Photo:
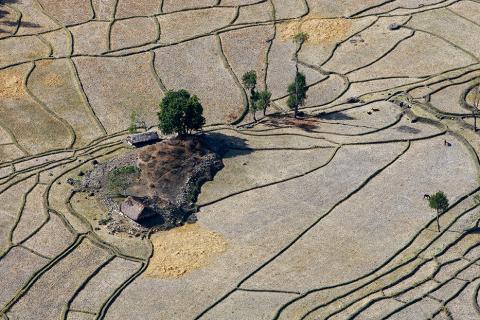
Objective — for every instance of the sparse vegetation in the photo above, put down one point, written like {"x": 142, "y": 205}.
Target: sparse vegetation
{"x": 180, "y": 113}
{"x": 300, "y": 37}
{"x": 297, "y": 93}
{"x": 439, "y": 202}
{"x": 119, "y": 179}
{"x": 133, "y": 122}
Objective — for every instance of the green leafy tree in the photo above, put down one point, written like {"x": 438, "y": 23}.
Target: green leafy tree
{"x": 439, "y": 202}
{"x": 263, "y": 100}
{"x": 254, "y": 106}
{"x": 249, "y": 80}
{"x": 297, "y": 92}
{"x": 180, "y": 113}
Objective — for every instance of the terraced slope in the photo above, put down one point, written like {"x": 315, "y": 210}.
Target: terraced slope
{"x": 320, "y": 218}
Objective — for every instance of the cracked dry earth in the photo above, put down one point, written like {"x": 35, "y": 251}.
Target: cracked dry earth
{"x": 322, "y": 218}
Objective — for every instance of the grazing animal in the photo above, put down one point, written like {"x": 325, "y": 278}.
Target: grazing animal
{"x": 426, "y": 196}
{"x": 446, "y": 143}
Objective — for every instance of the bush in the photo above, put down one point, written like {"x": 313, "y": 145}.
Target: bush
{"x": 180, "y": 113}
{"x": 300, "y": 37}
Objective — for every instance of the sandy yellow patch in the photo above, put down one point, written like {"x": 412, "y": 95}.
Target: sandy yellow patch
{"x": 12, "y": 85}
{"x": 319, "y": 30}
{"x": 53, "y": 80}
{"x": 183, "y": 249}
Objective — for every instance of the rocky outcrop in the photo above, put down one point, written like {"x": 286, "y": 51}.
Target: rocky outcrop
{"x": 164, "y": 178}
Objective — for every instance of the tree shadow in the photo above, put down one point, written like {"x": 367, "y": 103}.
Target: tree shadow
{"x": 339, "y": 115}
{"x": 5, "y": 19}
{"x": 226, "y": 146}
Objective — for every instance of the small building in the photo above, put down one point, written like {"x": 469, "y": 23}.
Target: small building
{"x": 135, "y": 209}
{"x": 143, "y": 139}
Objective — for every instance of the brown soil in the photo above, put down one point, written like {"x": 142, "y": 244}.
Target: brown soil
{"x": 167, "y": 183}
{"x": 181, "y": 250}
{"x": 306, "y": 124}
{"x": 166, "y": 166}
{"x": 12, "y": 85}
{"x": 319, "y": 30}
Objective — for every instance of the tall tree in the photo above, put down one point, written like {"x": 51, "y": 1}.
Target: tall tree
{"x": 263, "y": 100}
{"x": 180, "y": 113}
{"x": 439, "y": 202}
{"x": 249, "y": 80}
{"x": 297, "y": 92}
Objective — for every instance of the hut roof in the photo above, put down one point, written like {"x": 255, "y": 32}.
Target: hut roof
{"x": 134, "y": 209}
{"x": 144, "y": 137}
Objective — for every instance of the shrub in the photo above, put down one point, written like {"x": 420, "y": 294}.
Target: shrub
{"x": 119, "y": 179}
{"x": 300, "y": 37}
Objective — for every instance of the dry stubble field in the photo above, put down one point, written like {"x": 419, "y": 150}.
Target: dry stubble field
{"x": 322, "y": 218}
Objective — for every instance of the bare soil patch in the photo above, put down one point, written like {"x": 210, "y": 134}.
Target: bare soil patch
{"x": 319, "y": 30}
{"x": 182, "y": 250}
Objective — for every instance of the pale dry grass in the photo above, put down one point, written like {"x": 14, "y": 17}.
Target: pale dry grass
{"x": 53, "y": 80}
{"x": 11, "y": 85}
{"x": 319, "y": 30}
{"x": 181, "y": 250}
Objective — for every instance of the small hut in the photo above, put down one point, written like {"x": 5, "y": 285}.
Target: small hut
{"x": 143, "y": 139}
{"x": 135, "y": 209}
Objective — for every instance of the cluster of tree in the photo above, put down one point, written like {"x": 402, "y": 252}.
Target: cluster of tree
{"x": 258, "y": 100}
{"x": 182, "y": 113}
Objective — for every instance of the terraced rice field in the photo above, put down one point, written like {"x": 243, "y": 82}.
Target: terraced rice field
{"x": 320, "y": 218}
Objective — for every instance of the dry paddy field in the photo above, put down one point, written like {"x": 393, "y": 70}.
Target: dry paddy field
{"x": 318, "y": 218}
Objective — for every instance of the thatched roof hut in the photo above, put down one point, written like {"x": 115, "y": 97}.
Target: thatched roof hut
{"x": 142, "y": 139}
{"x": 135, "y": 209}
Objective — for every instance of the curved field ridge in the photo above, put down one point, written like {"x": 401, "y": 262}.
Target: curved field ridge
{"x": 322, "y": 217}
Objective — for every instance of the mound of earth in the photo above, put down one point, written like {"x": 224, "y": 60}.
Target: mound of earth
{"x": 160, "y": 181}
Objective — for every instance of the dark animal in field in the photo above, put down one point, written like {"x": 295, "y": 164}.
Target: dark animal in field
{"x": 426, "y": 196}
